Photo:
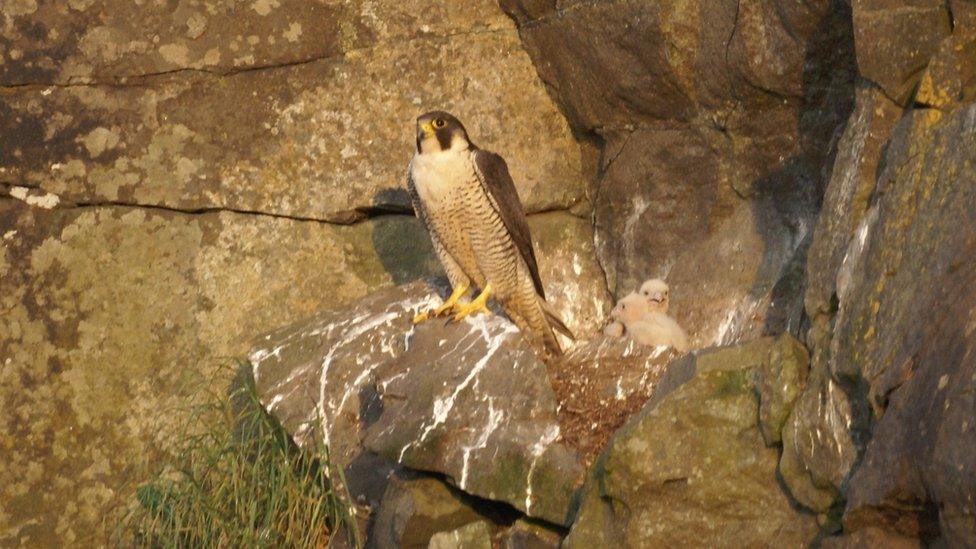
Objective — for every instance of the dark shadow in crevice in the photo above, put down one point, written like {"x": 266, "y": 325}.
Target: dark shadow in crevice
{"x": 787, "y": 201}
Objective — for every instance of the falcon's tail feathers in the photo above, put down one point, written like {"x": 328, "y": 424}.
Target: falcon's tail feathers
{"x": 554, "y": 320}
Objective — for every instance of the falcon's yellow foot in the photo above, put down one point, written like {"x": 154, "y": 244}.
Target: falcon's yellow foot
{"x": 480, "y": 304}
{"x": 446, "y": 307}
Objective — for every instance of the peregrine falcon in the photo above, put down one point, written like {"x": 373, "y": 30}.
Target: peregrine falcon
{"x": 468, "y": 202}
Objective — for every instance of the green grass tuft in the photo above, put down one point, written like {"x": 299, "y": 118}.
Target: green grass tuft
{"x": 234, "y": 478}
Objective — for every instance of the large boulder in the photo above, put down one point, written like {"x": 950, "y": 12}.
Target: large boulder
{"x": 698, "y": 465}
{"x": 468, "y": 400}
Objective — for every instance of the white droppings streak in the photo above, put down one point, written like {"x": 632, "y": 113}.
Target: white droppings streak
{"x": 539, "y": 448}
{"x": 353, "y": 333}
{"x": 577, "y": 265}
{"x": 725, "y": 327}
{"x": 845, "y": 274}
{"x": 385, "y": 383}
{"x": 494, "y": 420}
{"x": 727, "y": 330}
{"x": 275, "y": 401}
{"x": 443, "y": 406}
{"x": 407, "y": 336}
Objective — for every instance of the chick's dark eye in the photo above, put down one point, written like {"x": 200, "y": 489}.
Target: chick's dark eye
{"x": 439, "y": 123}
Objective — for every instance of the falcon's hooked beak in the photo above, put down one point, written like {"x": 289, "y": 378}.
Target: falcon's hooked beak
{"x": 425, "y": 129}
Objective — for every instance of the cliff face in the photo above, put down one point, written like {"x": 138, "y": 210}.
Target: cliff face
{"x": 749, "y": 99}
{"x": 174, "y": 181}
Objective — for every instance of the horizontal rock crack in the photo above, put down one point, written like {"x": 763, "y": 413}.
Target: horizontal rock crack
{"x": 123, "y": 81}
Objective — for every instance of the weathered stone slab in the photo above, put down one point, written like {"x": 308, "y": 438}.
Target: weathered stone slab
{"x": 325, "y": 138}
{"x": 469, "y": 400}
{"x": 895, "y": 39}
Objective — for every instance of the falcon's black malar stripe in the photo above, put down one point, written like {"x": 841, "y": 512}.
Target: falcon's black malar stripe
{"x": 494, "y": 177}
{"x": 444, "y": 137}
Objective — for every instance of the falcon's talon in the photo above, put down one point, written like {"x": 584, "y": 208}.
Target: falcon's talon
{"x": 446, "y": 308}
{"x": 479, "y": 305}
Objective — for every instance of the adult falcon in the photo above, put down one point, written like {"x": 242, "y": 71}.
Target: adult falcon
{"x": 467, "y": 199}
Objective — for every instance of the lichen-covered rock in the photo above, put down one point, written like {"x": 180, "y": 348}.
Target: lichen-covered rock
{"x": 692, "y": 467}
{"x": 906, "y": 331}
{"x": 414, "y": 509}
{"x": 949, "y": 81}
{"x": 469, "y": 400}
{"x": 895, "y": 39}
{"x": 83, "y": 41}
{"x": 328, "y": 139}
{"x": 819, "y": 443}
{"x": 108, "y": 315}
{"x": 476, "y": 535}
{"x": 188, "y": 152}
{"x": 848, "y": 194}
{"x": 881, "y": 423}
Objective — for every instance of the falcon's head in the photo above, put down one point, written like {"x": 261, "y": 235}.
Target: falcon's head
{"x": 655, "y": 291}
{"x": 439, "y": 131}
{"x": 629, "y": 309}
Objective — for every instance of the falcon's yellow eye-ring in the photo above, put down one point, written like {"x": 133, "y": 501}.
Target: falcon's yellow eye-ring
{"x": 439, "y": 123}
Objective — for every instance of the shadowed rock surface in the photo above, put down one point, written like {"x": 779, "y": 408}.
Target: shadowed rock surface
{"x": 907, "y": 334}
{"x": 712, "y": 123}
{"x": 884, "y": 427}
{"x": 414, "y": 509}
